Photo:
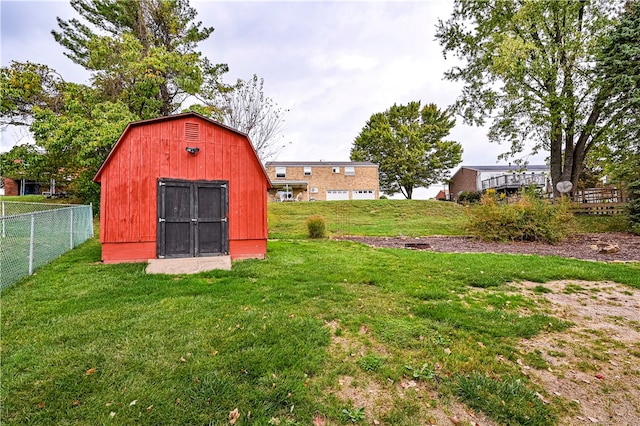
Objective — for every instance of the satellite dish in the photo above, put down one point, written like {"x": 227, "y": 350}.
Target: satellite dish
{"x": 564, "y": 186}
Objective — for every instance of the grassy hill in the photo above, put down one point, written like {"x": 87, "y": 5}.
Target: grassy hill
{"x": 391, "y": 218}
{"x": 369, "y": 217}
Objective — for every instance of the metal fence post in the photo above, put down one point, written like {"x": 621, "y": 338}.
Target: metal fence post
{"x": 71, "y": 228}
{"x": 32, "y": 238}
{"x": 3, "y": 215}
{"x": 91, "y": 218}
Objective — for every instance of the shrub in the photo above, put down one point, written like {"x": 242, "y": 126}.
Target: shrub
{"x": 469, "y": 197}
{"x": 317, "y": 227}
{"x": 528, "y": 219}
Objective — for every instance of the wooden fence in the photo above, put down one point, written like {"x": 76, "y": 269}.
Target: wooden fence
{"x": 600, "y": 201}
{"x": 599, "y": 208}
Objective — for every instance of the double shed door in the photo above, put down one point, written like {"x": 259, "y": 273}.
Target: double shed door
{"x": 192, "y": 218}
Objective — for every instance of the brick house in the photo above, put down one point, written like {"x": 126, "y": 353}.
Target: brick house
{"x": 323, "y": 180}
{"x": 14, "y": 187}
{"x": 505, "y": 178}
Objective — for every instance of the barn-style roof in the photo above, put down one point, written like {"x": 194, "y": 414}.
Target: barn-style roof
{"x": 169, "y": 118}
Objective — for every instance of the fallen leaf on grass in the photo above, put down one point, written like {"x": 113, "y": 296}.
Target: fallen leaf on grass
{"x": 133, "y": 402}
{"x": 112, "y": 414}
{"x": 455, "y": 420}
{"x": 234, "y": 416}
{"x": 409, "y": 384}
{"x": 318, "y": 421}
{"x": 76, "y": 403}
{"x": 90, "y": 371}
{"x": 41, "y": 405}
{"x": 599, "y": 376}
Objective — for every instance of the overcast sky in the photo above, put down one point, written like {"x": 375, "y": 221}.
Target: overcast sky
{"x": 331, "y": 64}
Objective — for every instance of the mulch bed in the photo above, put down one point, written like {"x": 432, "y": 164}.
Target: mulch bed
{"x": 577, "y": 246}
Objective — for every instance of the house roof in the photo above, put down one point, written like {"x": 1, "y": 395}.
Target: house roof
{"x": 176, "y": 117}
{"x": 508, "y": 167}
{"x": 320, "y": 163}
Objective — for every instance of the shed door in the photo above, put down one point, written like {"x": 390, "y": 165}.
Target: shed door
{"x": 192, "y": 218}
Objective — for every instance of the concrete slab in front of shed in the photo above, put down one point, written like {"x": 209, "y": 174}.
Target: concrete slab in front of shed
{"x": 188, "y": 265}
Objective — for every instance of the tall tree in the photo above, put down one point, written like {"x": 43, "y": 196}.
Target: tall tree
{"x": 618, "y": 67}
{"x": 23, "y": 161}
{"x": 530, "y": 69}
{"x": 25, "y": 86}
{"x": 77, "y": 141}
{"x": 138, "y": 48}
{"x": 406, "y": 141}
{"x": 245, "y": 107}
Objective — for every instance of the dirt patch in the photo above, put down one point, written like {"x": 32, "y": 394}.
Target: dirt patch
{"x": 579, "y": 246}
{"x": 594, "y": 366}
{"x": 379, "y": 398}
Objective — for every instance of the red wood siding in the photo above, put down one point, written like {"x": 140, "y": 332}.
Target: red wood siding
{"x": 153, "y": 150}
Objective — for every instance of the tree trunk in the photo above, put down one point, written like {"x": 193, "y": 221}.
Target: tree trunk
{"x": 556, "y": 156}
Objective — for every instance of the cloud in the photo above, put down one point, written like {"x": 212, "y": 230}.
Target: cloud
{"x": 331, "y": 64}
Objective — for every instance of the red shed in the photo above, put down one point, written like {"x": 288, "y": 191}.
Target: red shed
{"x": 182, "y": 186}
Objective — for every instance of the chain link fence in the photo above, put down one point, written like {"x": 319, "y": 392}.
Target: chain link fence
{"x": 33, "y": 234}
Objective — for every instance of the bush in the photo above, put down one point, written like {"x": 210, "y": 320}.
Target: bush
{"x": 317, "y": 227}
{"x": 529, "y": 219}
{"x": 634, "y": 206}
{"x": 469, "y": 197}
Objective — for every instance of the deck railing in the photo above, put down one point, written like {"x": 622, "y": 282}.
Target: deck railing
{"x": 514, "y": 181}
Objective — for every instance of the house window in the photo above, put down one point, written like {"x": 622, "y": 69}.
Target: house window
{"x": 281, "y": 172}
{"x": 336, "y": 170}
{"x": 349, "y": 171}
{"x": 314, "y": 190}
{"x": 307, "y": 171}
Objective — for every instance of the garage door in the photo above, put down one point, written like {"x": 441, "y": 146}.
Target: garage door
{"x": 363, "y": 194}
{"x": 334, "y": 195}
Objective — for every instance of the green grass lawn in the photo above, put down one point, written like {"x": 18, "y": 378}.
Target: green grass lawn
{"x": 376, "y": 218}
{"x": 86, "y": 343}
